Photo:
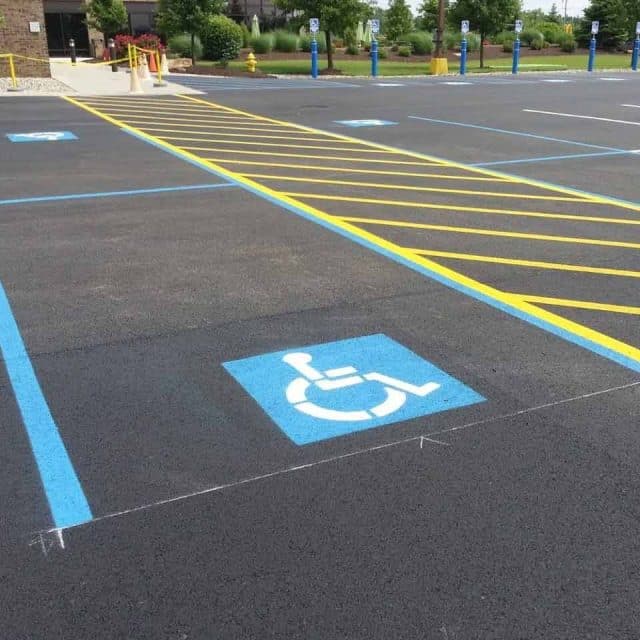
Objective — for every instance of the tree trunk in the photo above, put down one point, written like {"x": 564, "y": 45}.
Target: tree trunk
{"x": 193, "y": 49}
{"x": 329, "y": 51}
{"x": 482, "y": 36}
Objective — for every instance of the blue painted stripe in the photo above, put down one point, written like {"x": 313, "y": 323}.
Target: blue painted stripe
{"x": 64, "y": 493}
{"x": 113, "y": 194}
{"x": 546, "y": 158}
{"x": 618, "y": 358}
{"x": 515, "y": 133}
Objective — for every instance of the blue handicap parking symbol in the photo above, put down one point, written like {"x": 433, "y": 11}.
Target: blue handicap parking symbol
{"x": 42, "y": 136}
{"x": 328, "y": 390}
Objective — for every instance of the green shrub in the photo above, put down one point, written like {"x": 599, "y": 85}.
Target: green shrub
{"x": 567, "y": 43}
{"x": 181, "y": 46}
{"x": 528, "y": 35}
{"x": 507, "y": 46}
{"x": 537, "y": 43}
{"x": 383, "y": 54}
{"x": 285, "y": 41}
{"x": 352, "y": 50}
{"x": 262, "y": 44}
{"x": 451, "y": 40}
{"x": 551, "y": 31}
{"x": 246, "y": 35}
{"x": 504, "y": 36}
{"x": 473, "y": 42}
{"x": 350, "y": 37}
{"x": 305, "y": 43}
{"x": 405, "y": 52}
{"x": 420, "y": 42}
{"x": 221, "y": 38}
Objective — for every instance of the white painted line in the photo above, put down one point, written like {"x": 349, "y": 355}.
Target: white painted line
{"x": 455, "y": 84}
{"x": 631, "y": 106}
{"x": 575, "y": 115}
{"x": 557, "y": 80}
{"x": 613, "y": 79}
{"x": 388, "y": 84}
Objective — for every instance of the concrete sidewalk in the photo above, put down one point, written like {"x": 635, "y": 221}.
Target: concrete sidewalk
{"x": 88, "y": 79}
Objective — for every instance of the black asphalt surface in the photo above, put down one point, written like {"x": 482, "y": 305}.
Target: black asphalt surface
{"x": 519, "y": 519}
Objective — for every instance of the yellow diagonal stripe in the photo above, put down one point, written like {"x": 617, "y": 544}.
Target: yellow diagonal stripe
{"x": 299, "y": 155}
{"x": 556, "y": 266}
{"x": 455, "y": 207}
{"x": 578, "y": 304}
{"x": 492, "y": 232}
{"x": 401, "y": 187}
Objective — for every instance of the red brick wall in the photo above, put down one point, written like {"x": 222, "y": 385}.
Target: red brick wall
{"x": 16, "y": 38}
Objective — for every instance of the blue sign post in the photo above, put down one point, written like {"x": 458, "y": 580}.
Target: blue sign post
{"x": 516, "y": 47}
{"x": 375, "y": 29}
{"x": 595, "y": 26}
{"x": 636, "y": 48}
{"x": 314, "y": 27}
{"x": 464, "y": 28}
{"x": 334, "y": 389}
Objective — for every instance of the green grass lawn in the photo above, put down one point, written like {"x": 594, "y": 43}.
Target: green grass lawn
{"x": 388, "y": 68}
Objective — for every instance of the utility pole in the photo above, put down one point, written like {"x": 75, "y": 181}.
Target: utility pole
{"x": 440, "y": 29}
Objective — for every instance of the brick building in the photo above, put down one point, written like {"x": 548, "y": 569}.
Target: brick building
{"x": 23, "y": 32}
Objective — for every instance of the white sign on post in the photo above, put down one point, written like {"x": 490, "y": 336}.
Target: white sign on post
{"x": 464, "y": 26}
{"x": 314, "y": 25}
{"x": 638, "y": 28}
{"x": 595, "y": 27}
{"x": 375, "y": 27}
{"x": 519, "y": 26}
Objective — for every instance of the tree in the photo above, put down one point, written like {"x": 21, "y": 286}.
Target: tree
{"x": 398, "y": 19}
{"x": 428, "y": 15}
{"x": 488, "y": 17}
{"x": 554, "y": 14}
{"x": 186, "y": 16}
{"x": 335, "y": 16}
{"x": 614, "y": 23}
{"x": 107, "y": 16}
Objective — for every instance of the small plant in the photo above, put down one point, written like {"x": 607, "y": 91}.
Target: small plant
{"x": 149, "y": 41}
{"x": 122, "y": 44}
{"x": 567, "y": 43}
{"x": 420, "y": 42}
{"x": 221, "y": 38}
{"x": 246, "y": 35}
{"x": 473, "y": 42}
{"x": 350, "y": 37}
{"x": 180, "y": 45}
{"x": 352, "y": 50}
{"x": 537, "y": 44}
{"x": 305, "y": 43}
{"x": 382, "y": 53}
{"x": 507, "y": 46}
{"x": 285, "y": 41}
{"x": 262, "y": 44}
{"x": 404, "y": 51}
{"x": 528, "y": 35}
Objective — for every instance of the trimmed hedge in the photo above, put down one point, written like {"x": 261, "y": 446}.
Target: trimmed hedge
{"x": 181, "y": 46}
{"x": 528, "y": 35}
{"x": 567, "y": 43}
{"x": 285, "y": 41}
{"x": 421, "y": 42}
{"x": 262, "y": 44}
{"x": 221, "y": 38}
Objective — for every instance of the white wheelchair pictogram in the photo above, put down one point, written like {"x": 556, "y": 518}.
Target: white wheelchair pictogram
{"x": 340, "y": 378}
{"x": 43, "y": 135}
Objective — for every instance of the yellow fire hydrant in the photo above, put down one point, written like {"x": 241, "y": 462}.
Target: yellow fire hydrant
{"x": 251, "y": 63}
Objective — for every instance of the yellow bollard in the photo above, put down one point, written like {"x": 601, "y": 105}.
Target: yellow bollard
{"x": 251, "y": 63}
{"x": 159, "y": 82}
{"x": 12, "y": 73}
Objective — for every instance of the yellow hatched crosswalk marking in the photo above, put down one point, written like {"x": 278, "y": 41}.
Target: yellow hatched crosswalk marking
{"x": 579, "y": 304}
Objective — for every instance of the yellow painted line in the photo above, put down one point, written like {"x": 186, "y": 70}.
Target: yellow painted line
{"x": 351, "y": 170}
{"x": 449, "y": 207}
{"x": 448, "y": 163}
{"x": 556, "y": 266}
{"x": 245, "y": 135}
{"x": 300, "y": 155}
{"x": 176, "y": 117}
{"x": 300, "y": 146}
{"x": 204, "y": 133}
{"x": 402, "y": 187}
{"x": 232, "y": 124}
{"x": 542, "y": 315}
{"x": 492, "y": 232}
{"x": 578, "y": 304}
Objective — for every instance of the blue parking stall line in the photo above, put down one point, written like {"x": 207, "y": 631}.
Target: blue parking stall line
{"x": 516, "y": 133}
{"x": 115, "y": 194}
{"x": 551, "y": 158}
{"x": 63, "y": 490}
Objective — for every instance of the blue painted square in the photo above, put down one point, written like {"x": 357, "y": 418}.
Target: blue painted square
{"x": 42, "y": 136}
{"x": 328, "y": 390}
{"x": 365, "y": 123}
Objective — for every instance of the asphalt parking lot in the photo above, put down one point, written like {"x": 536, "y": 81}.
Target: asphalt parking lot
{"x": 352, "y": 363}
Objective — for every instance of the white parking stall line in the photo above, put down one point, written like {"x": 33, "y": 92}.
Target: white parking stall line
{"x": 581, "y": 117}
